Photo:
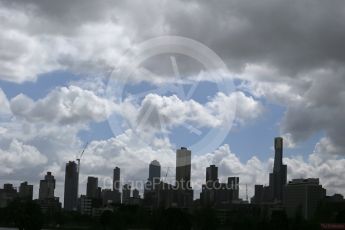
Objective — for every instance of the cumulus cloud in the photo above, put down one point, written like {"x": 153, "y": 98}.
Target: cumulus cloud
{"x": 66, "y": 105}
{"x": 164, "y": 112}
{"x": 19, "y": 156}
{"x": 4, "y": 104}
{"x": 320, "y": 109}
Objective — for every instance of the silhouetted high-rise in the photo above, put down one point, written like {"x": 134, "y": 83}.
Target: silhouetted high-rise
{"x": 71, "y": 186}
{"x": 25, "y": 191}
{"x": 303, "y": 196}
{"x": 183, "y": 167}
{"x": 154, "y": 172}
{"x": 116, "y": 179}
{"x": 47, "y": 187}
{"x": 233, "y": 184}
{"x": 126, "y": 193}
{"x": 211, "y": 174}
{"x": 279, "y": 175}
{"x": 92, "y": 187}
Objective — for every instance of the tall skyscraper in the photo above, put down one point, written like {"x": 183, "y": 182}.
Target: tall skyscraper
{"x": 211, "y": 174}
{"x": 279, "y": 175}
{"x": 116, "y": 179}
{"x": 92, "y": 187}
{"x": 71, "y": 186}
{"x": 26, "y": 191}
{"x": 47, "y": 187}
{"x": 183, "y": 167}
{"x": 154, "y": 172}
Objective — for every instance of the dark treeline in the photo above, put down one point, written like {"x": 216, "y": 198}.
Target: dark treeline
{"x": 27, "y": 215}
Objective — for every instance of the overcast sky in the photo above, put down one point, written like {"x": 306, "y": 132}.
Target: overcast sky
{"x": 60, "y": 87}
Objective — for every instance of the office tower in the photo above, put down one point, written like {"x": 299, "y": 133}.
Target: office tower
{"x": 26, "y": 191}
{"x": 7, "y": 195}
{"x": 211, "y": 174}
{"x": 71, "y": 186}
{"x": 183, "y": 168}
{"x": 154, "y": 172}
{"x": 85, "y": 205}
{"x": 302, "y": 196}
{"x": 136, "y": 194}
{"x": 279, "y": 175}
{"x": 233, "y": 184}
{"x": 258, "y": 194}
{"x": 47, "y": 187}
{"x": 116, "y": 179}
{"x": 92, "y": 187}
{"x": 126, "y": 193}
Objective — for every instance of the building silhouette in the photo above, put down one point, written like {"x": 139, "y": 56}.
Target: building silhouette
{"x": 116, "y": 179}
{"x": 277, "y": 179}
{"x": 26, "y": 191}
{"x": 154, "y": 172}
{"x": 71, "y": 186}
{"x": 126, "y": 193}
{"x": 85, "y": 205}
{"x": 92, "y": 188}
{"x": 47, "y": 187}
{"x": 48, "y": 202}
{"x": 183, "y": 195}
{"x": 216, "y": 194}
{"x": 233, "y": 184}
{"x": 7, "y": 194}
{"x": 183, "y": 167}
{"x": 211, "y": 174}
{"x": 302, "y": 197}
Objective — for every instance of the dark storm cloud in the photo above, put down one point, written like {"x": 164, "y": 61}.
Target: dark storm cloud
{"x": 293, "y": 35}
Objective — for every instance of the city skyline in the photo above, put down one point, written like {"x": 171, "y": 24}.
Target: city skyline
{"x": 183, "y": 165}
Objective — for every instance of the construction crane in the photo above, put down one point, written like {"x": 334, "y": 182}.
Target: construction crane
{"x": 81, "y": 155}
{"x": 78, "y": 165}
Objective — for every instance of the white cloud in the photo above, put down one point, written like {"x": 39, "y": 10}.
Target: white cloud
{"x": 66, "y": 105}
{"x": 163, "y": 112}
{"x": 19, "y": 156}
{"x": 4, "y": 105}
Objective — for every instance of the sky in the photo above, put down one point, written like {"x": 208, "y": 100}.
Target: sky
{"x": 139, "y": 79}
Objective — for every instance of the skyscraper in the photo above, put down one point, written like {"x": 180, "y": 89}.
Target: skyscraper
{"x": 26, "y": 191}
{"x": 303, "y": 195}
{"x": 211, "y": 174}
{"x": 183, "y": 167}
{"x": 92, "y": 187}
{"x": 126, "y": 193}
{"x": 116, "y": 179}
{"x": 154, "y": 172}
{"x": 279, "y": 175}
{"x": 71, "y": 186}
{"x": 233, "y": 184}
{"x": 47, "y": 187}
